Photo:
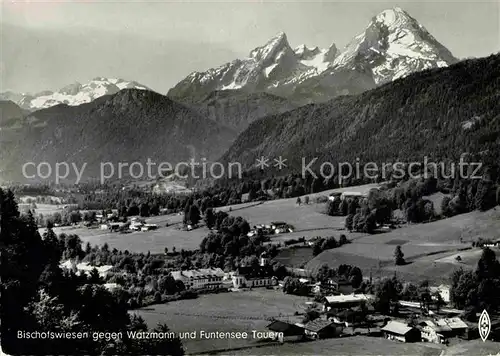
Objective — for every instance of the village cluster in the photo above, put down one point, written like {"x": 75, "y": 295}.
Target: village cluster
{"x": 252, "y": 262}
{"x": 135, "y": 224}
{"x": 278, "y": 227}
{"x": 340, "y": 312}
{"x": 334, "y": 308}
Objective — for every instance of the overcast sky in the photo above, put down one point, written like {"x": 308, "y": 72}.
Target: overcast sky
{"x": 46, "y": 45}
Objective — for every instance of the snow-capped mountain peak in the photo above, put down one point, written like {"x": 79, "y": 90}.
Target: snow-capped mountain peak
{"x": 331, "y": 53}
{"x": 304, "y": 52}
{"x": 271, "y": 49}
{"x": 393, "y": 17}
{"x": 72, "y": 94}
{"x": 392, "y": 46}
{"x": 275, "y": 64}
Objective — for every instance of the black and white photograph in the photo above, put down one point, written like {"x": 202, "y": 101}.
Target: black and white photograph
{"x": 250, "y": 177}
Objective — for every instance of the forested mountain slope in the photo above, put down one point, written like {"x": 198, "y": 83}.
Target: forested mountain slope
{"x": 441, "y": 113}
{"x": 237, "y": 109}
{"x": 131, "y": 125}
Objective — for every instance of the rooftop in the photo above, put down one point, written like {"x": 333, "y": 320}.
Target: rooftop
{"x": 436, "y": 327}
{"x": 441, "y": 287}
{"x": 255, "y": 272}
{"x": 456, "y": 323}
{"x": 201, "y": 273}
{"x": 445, "y": 324}
{"x": 397, "y": 328}
{"x": 350, "y": 298}
{"x": 286, "y": 328}
{"x": 353, "y": 194}
{"x": 86, "y": 267}
{"x": 112, "y": 286}
{"x": 317, "y": 325}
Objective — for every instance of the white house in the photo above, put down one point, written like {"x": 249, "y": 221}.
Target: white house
{"x": 395, "y": 330}
{"x": 443, "y": 290}
{"x": 439, "y": 330}
{"x": 148, "y": 227}
{"x": 431, "y": 332}
{"x": 210, "y": 278}
{"x": 495, "y": 243}
{"x": 136, "y": 225}
{"x": 116, "y": 226}
{"x": 251, "y": 277}
{"x": 85, "y": 267}
{"x": 334, "y": 196}
{"x": 111, "y": 287}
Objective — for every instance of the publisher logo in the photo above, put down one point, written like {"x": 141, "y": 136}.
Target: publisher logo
{"x": 484, "y": 325}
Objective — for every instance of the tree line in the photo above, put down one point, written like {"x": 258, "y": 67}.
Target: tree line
{"x": 36, "y": 294}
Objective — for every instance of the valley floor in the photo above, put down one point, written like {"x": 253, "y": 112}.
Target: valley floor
{"x": 242, "y": 311}
{"x": 353, "y": 345}
{"x": 430, "y": 249}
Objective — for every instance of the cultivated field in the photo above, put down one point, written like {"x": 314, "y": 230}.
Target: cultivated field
{"x": 465, "y": 227}
{"x": 45, "y": 209}
{"x": 354, "y": 345}
{"x": 468, "y": 258}
{"x": 233, "y": 312}
{"x": 306, "y": 219}
{"x": 24, "y": 198}
{"x": 475, "y": 347}
{"x": 424, "y": 245}
{"x": 439, "y": 267}
{"x": 294, "y": 257}
{"x": 429, "y": 248}
{"x": 154, "y": 241}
